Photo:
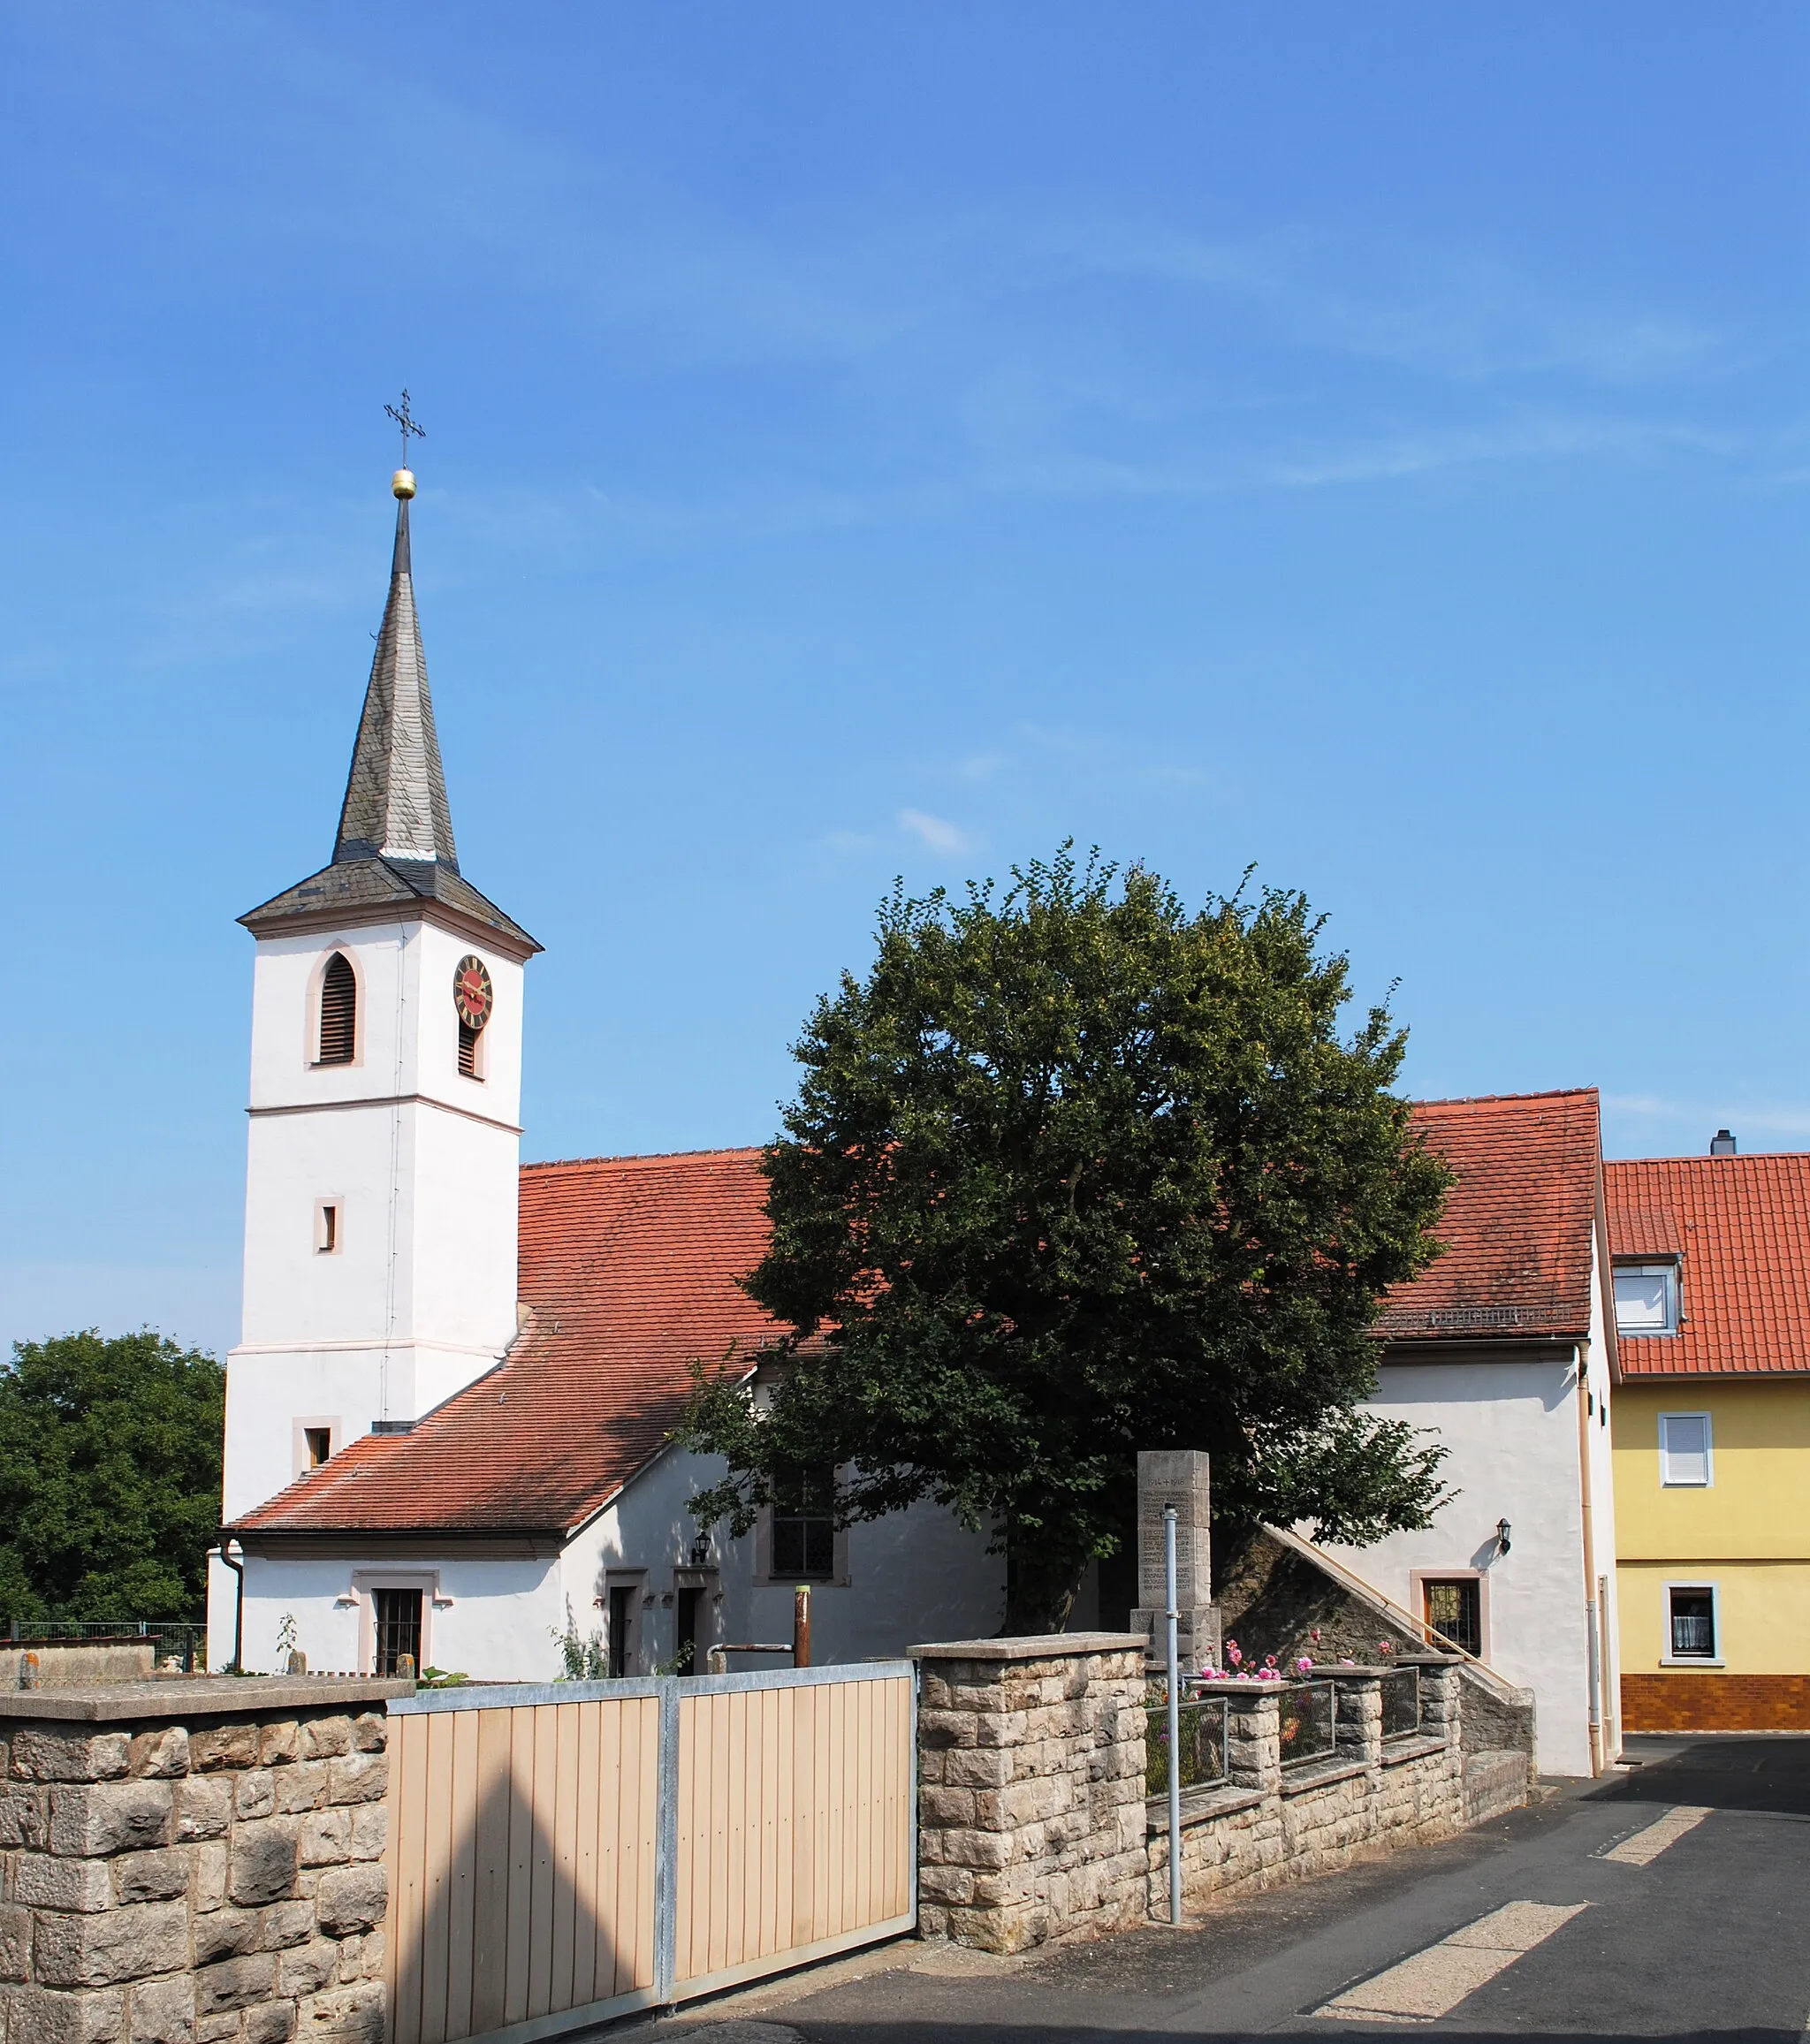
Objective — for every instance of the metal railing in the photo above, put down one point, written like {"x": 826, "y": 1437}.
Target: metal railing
{"x": 1401, "y": 1702}
{"x": 1309, "y": 1715}
{"x": 1202, "y": 1722}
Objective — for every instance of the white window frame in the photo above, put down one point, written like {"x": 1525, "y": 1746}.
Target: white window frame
{"x": 335, "y": 1430}
{"x": 1698, "y": 1587}
{"x": 1666, "y": 1267}
{"x": 432, "y": 1599}
{"x": 336, "y": 1201}
{"x": 1669, "y": 1482}
{"x": 1417, "y": 1580}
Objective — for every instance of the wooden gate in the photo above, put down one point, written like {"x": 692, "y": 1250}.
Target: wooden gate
{"x": 565, "y": 1853}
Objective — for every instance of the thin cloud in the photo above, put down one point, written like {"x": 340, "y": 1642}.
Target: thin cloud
{"x": 939, "y": 834}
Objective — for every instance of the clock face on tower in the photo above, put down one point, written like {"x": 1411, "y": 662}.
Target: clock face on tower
{"x": 472, "y": 992}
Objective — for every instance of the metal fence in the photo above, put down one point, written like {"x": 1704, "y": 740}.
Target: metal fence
{"x": 1309, "y": 1719}
{"x": 184, "y": 1637}
{"x": 565, "y": 1854}
{"x": 1201, "y": 1723}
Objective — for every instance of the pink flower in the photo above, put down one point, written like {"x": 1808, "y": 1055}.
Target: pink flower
{"x": 1234, "y": 1654}
{"x": 1383, "y": 1646}
{"x": 1315, "y": 1635}
{"x": 1304, "y": 1665}
{"x": 1347, "y": 1662}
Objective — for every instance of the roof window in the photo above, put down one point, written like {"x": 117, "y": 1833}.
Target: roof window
{"x": 1646, "y": 1298}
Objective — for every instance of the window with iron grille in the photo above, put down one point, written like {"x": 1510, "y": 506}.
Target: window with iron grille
{"x": 396, "y": 1615}
{"x": 1454, "y": 1610}
{"x": 805, "y": 1528}
{"x": 338, "y": 1012}
{"x": 1690, "y": 1623}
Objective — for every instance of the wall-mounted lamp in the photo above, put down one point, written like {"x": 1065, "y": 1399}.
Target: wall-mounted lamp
{"x": 1501, "y": 1536}
{"x": 701, "y": 1551}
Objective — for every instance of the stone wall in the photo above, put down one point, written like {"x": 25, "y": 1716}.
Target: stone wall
{"x": 1274, "y": 1597}
{"x": 190, "y": 1862}
{"x": 75, "y": 1663}
{"x": 1034, "y": 1825}
{"x": 1030, "y": 1796}
{"x": 1268, "y": 1823}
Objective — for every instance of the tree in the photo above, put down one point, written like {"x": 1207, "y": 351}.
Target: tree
{"x": 1074, "y": 1171}
{"x": 109, "y": 1477}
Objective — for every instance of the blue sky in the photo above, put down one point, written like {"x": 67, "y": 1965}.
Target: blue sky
{"x": 1367, "y": 441}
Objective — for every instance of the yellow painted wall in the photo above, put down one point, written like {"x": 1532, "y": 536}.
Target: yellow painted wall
{"x": 1748, "y": 1533}
{"x": 1763, "y": 1607}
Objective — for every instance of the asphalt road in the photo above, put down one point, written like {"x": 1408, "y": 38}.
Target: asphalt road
{"x": 1697, "y": 1925}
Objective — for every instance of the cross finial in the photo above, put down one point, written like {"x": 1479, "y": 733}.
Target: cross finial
{"x": 405, "y": 419}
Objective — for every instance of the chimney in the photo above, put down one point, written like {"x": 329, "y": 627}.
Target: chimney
{"x": 1721, "y": 1144}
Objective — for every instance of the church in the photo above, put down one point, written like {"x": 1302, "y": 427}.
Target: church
{"x": 449, "y": 1415}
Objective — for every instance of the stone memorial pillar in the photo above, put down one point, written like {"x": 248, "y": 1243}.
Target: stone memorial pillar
{"x": 1178, "y": 1477}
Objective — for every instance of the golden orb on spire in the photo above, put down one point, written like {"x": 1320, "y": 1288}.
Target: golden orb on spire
{"x": 402, "y": 482}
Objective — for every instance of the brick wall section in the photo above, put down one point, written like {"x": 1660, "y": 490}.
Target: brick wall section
{"x": 1030, "y": 1797}
{"x": 1686, "y": 1701}
{"x": 194, "y": 1862}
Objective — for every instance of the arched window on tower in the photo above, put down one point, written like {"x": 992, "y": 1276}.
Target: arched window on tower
{"x": 338, "y": 1012}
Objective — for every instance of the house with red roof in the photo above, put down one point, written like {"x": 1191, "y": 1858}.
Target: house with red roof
{"x": 1712, "y": 1439}
{"x": 450, "y": 1419}
{"x": 1505, "y": 1348}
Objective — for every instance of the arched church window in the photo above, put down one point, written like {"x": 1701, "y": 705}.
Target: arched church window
{"x": 339, "y": 1011}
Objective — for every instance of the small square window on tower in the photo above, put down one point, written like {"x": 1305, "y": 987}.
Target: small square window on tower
{"x": 329, "y": 1230}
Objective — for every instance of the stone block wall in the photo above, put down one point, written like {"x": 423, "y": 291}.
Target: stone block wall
{"x": 1030, "y": 1797}
{"x": 192, "y": 1863}
{"x": 1270, "y": 1824}
{"x": 1034, "y": 1825}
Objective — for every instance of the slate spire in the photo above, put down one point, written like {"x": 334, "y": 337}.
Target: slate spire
{"x": 395, "y": 804}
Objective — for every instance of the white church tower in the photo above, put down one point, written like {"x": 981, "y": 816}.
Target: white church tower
{"x": 380, "y": 1212}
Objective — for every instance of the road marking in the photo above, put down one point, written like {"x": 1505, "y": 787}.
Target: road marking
{"x": 1433, "y": 1982}
{"x": 1646, "y": 1846}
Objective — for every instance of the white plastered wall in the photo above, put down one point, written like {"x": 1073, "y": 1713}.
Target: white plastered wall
{"x": 422, "y": 1164}
{"x": 494, "y": 1617}
{"x": 1510, "y": 1430}
{"x": 917, "y": 1576}
{"x": 1600, "y": 1392}
{"x": 914, "y": 1576}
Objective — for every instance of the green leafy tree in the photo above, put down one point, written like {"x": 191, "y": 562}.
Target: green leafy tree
{"x": 109, "y": 1477}
{"x": 1074, "y": 1172}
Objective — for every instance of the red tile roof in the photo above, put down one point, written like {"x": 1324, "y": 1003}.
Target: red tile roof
{"x": 630, "y": 1266}
{"x": 1741, "y": 1228}
{"x": 1517, "y": 1225}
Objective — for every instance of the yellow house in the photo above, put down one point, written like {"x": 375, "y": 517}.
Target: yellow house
{"x": 1711, "y": 1427}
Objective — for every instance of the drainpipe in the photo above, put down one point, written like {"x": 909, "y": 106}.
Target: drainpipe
{"x": 238, "y": 1568}
{"x": 1595, "y": 1642}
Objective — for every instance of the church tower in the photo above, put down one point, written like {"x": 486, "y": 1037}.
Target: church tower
{"x": 381, "y": 1185}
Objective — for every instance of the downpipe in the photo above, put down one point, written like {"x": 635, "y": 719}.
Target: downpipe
{"x": 238, "y": 1568}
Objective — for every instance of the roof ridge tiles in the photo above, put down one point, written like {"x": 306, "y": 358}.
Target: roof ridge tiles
{"x": 1493, "y": 1099}
{"x": 642, "y": 1157}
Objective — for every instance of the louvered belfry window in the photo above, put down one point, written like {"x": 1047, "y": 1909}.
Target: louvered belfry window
{"x": 339, "y": 1011}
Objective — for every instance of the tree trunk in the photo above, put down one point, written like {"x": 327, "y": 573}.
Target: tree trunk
{"x": 1043, "y": 1574}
